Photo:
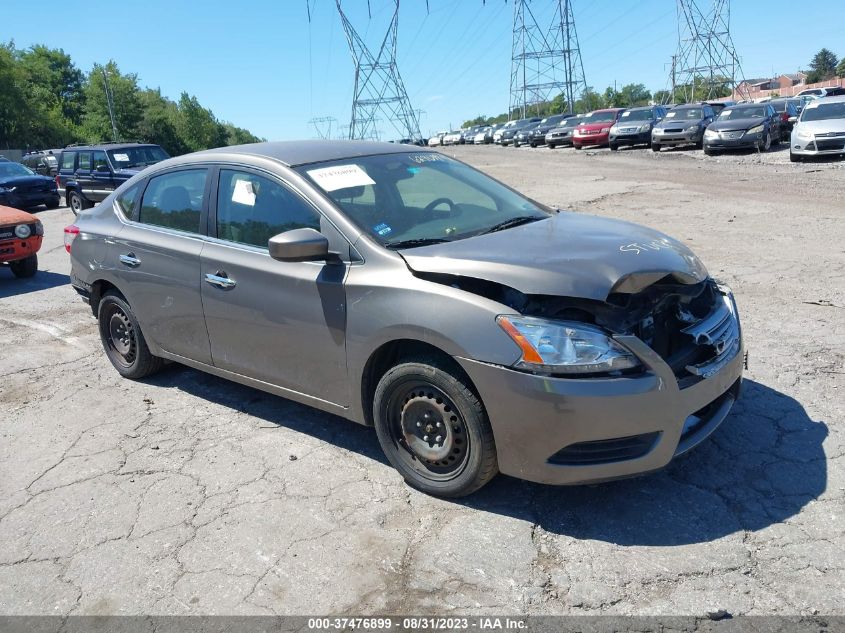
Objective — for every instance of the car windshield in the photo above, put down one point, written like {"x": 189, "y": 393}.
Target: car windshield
{"x": 599, "y": 117}
{"x": 127, "y": 157}
{"x": 406, "y": 200}
{"x": 742, "y": 113}
{"x": 637, "y": 115}
{"x": 691, "y": 114}
{"x": 10, "y": 170}
{"x": 823, "y": 112}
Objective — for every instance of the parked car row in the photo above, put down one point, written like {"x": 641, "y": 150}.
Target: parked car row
{"x": 812, "y": 126}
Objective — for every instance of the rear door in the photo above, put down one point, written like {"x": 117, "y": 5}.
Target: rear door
{"x": 283, "y": 323}
{"x": 158, "y": 259}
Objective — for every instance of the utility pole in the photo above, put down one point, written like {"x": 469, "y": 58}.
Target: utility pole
{"x": 545, "y": 62}
{"x": 109, "y": 103}
{"x": 378, "y": 84}
{"x": 706, "y": 55}
{"x": 323, "y": 126}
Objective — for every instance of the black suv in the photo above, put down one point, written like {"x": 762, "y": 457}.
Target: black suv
{"x": 45, "y": 162}
{"x": 87, "y": 174}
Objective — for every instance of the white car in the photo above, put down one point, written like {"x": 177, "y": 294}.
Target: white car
{"x": 820, "y": 129}
{"x": 452, "y": 138}
{"x": 437, "y": 139}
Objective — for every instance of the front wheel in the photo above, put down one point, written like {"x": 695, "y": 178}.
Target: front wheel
{"x": 655, "y": 147}
{"x": 433, "y": 428}
{"x": 24, "y": 268}
{"x": 613, "y": 147}
{"x": 122, "y": 339}
{"x": 52, "y": 204}
{"x": 795, "y": 158}
{"x": 765, "y": 144}
{"x": 75, "y": 202}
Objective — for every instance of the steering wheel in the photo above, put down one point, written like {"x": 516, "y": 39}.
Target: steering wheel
{"x": 429, "y": 208}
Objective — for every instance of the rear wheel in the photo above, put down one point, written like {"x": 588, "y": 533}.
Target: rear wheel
{"x": 122, "y": 339}
{"x": 24, "y": 268}
{"x": 433, "y": 428}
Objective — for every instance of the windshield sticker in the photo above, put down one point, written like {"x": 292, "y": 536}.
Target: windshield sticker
{"x": 340, "y": 177}
{"x": 382, "y": 229}
{"x": 670, "y": 115}
{"x": 426, "y": 158}
{"x": 244, "y": 192}
{"x": 626, "y": 114}
{"x": 122, "y": 158}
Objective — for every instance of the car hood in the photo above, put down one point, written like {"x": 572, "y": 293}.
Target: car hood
{"x": 569, "y": 254}
{"x": 8, "y": 216}
{"x": 684, "y": 123}
{"x": 735, "y": 124}
{"x": 19, "y": 181}
{"x": 821, "y": 127}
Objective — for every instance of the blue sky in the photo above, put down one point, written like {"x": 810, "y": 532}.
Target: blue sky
{"x": 261, "y": 65}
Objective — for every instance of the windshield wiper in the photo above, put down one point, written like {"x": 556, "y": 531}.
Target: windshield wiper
{"x": 425, "y": 241}
{"x": 501, "y": 226}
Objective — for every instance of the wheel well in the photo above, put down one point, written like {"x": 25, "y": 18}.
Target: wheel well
{"x": 98, "y": 289}
{"x": 391, "y": 354}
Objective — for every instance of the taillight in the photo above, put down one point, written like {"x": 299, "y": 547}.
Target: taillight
{"x": 57, "y": 181}
{"x": 784, "y": 117}
{"x": 70, "y": 234}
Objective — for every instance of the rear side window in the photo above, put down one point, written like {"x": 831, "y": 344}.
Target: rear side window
{"x": 68, "y": 160}
{"x": 251, "y": 209}
{"x": 128, "y": 200}
{"x": 174, "y": 200}
{"x": 85, "y": 160}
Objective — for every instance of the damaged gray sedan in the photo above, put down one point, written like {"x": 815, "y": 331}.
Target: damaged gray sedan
{"x": 477, "y": 330}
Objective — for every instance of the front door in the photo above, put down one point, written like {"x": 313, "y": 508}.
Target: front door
{"x": 283, "y": 323}
{"x": 102, "y": 179}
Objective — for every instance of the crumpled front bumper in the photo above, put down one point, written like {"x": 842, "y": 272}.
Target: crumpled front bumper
{"x": 559, "y": 430}
{"x": 13, "y": 250}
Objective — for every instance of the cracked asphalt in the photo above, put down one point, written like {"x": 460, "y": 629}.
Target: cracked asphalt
{"x": 187, "y": 494}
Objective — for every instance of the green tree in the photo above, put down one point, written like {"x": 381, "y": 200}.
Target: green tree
{"x": 662, "y": 96}
{"x": 823, "y": 66}
{"x": 590, "y": 100}
{"x": 54, "y": 78}
{"x": 840, "y": 69}
{"x": 15, "y": 111}
{"x": 159, "y": 122}
{"x": 612, "y": 98}
{"x": 197, "y": 126}
{"x": 128, "y": 111}
{"x": 635, "y": 95}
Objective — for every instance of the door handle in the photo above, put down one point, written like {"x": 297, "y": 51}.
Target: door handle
{"x": 220, "y": 280}
{"x": 130, "y": 260}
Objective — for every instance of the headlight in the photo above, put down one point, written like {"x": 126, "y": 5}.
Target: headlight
{"x": 23, "y": 231}
{"x": 657, "y": 130}
{"x": 605, "y": 130}
{"x": 645, "y": 128}
{"x": 692, "y": 128}
{"x": 755, "y": 130}
{"x": 562, "y": 347}
{"x": 39, "y": 228}
{"x": 807, "y": 136}
{"x": 711, "y": 134}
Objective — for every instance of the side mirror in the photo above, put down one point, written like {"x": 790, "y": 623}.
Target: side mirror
{"x": 793, "y": 119}
{"x": 102, "y": 169}
{"x": 298, "y": 245}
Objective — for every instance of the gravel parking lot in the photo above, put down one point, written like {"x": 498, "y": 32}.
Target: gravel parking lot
{"x": 186, "y": 494}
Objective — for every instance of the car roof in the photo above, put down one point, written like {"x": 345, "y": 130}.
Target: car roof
{"x": 819, "y": 102}
{"x": 294, "y": 153}
{"x": 73, "y": 148}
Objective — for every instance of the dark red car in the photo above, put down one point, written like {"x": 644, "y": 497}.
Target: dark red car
{"x": 594, "y": 129}
{"x": 20, "y": 239}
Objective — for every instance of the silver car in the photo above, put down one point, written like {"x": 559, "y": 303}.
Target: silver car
{"x": 820, "y": 129}
{"x": 476, "y": 330}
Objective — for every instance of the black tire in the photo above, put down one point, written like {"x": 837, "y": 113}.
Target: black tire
{"x": 53, "y": 204}
{"x": 76, "y": 202}
{"x": 795, "y": 158}
{"x": 578, "y": 146}
{"x": 699, "y": 144}
{"x": 709, "y": 152}
{"x": 655, "y": 147}
{"x": 765, "y": 144}
{"x": 122, "y": 339}
{"x": 25, "y": 268}
{"x": 426, "y": 390}
{"x": 613, "y": 147}
{"x": 551, "y": 145}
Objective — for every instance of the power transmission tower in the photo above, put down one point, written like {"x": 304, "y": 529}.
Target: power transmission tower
{"x": 323, "y": 126}
{"x": 706, "y": 60}
{"x": 544, "y": 62}
{"x": 378, "y": 85}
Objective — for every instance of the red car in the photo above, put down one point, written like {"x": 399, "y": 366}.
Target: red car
{"x": 594, "y": 129}
{"x": 20, "y": 239}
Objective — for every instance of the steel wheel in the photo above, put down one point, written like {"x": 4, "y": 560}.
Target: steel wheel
{"x": 75, "y": 202}
{"x": 122, "y": 339}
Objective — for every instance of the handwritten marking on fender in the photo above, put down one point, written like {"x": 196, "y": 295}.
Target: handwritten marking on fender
{"x": 655, "y": 245}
